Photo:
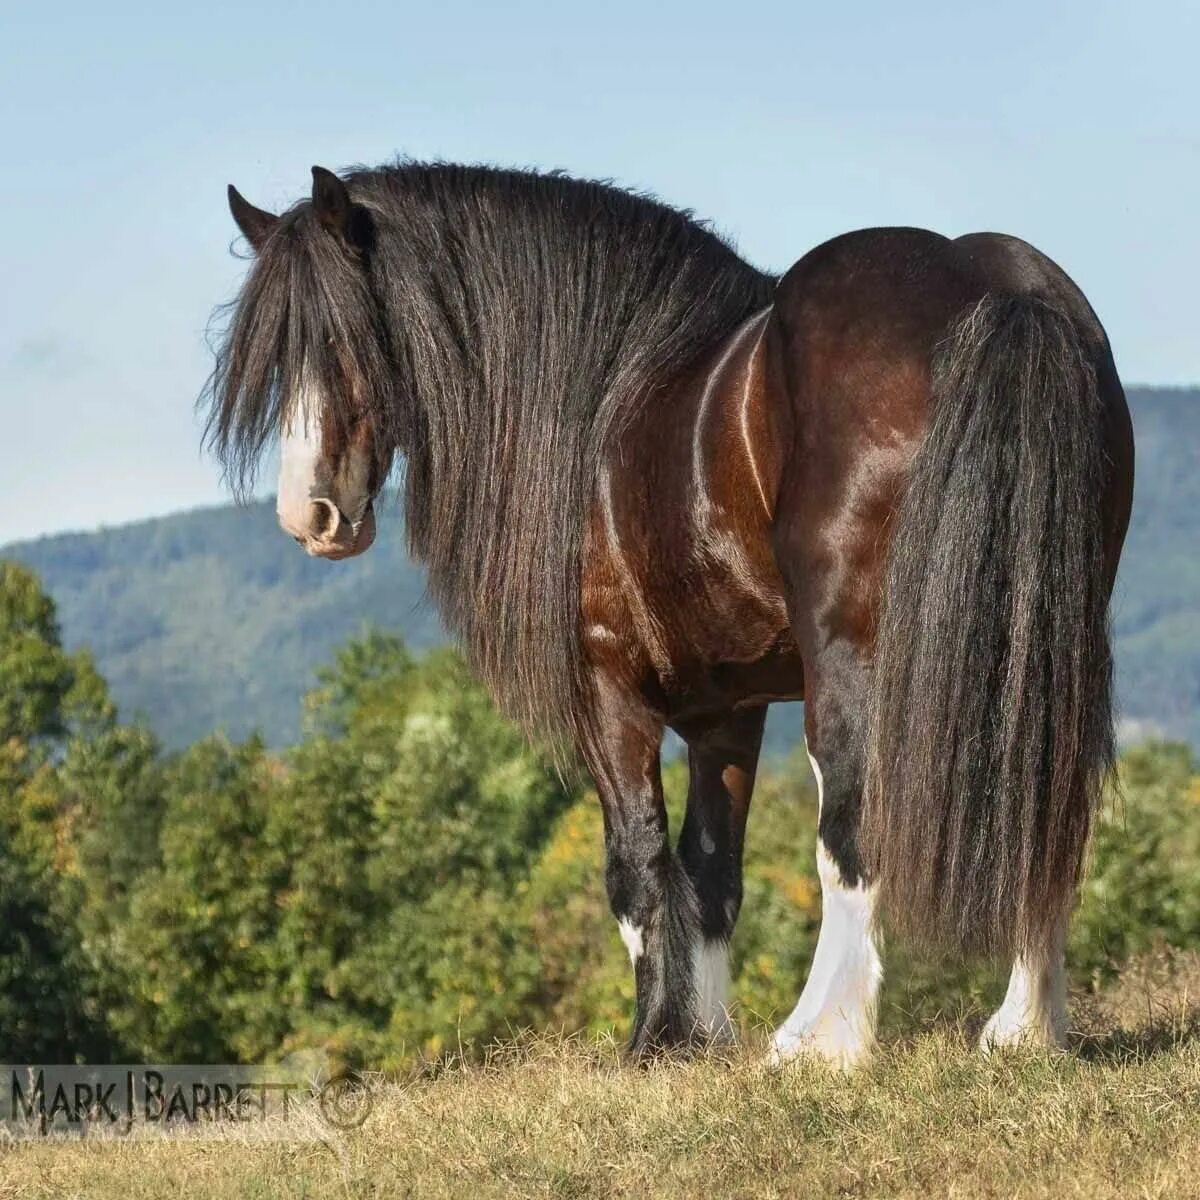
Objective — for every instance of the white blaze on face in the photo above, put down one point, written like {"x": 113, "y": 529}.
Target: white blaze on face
{"x": 299, "y": 464}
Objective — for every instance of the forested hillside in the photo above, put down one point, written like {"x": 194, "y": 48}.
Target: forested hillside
{"x": 1156, "y": 615}
{"x": 215, "y": 620}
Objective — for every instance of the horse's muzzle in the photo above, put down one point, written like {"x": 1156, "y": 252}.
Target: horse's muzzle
{"x": 332, "y": 535}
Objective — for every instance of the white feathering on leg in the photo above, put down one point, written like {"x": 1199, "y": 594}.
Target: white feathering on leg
{"x": 834, "y": 1018}
{"x": 710, "y": 973}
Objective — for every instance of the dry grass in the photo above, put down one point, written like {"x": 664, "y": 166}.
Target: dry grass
{"x": 1119, "y": 1116}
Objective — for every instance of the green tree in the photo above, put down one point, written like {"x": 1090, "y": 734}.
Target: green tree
{"x": 441, "y": 810}
{"x": 48, "y": 699}
{"x": 358, "y": 894}
{"x": 1142, "y": 887}
{"x": 194, "y": 953}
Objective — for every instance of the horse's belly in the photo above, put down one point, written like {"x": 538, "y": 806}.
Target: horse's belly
{"x": 738, "y": 658}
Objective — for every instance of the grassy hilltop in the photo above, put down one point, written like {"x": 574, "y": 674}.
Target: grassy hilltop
{"x": 1118, "y": 1118}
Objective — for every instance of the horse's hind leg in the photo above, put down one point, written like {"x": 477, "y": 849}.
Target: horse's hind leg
{"x": 834, "y": 1018}
{"x": 1034, "y": 1011}
{"x": 722, "y": 760}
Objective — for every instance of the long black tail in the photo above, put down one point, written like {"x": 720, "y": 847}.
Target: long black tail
{"x": 991, "y": 721}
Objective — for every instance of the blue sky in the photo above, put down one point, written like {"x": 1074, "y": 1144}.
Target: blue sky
{"x": 1075, "y": 125}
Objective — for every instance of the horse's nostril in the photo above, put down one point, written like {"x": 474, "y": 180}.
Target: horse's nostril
{"x": 323, "y": 519}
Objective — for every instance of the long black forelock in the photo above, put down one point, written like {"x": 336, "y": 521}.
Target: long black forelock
{"x": 305, "y": 318}
{"x": 525, "y": 317}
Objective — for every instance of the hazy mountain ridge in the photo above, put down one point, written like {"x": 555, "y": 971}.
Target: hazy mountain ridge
{"x": 213, "y": 619}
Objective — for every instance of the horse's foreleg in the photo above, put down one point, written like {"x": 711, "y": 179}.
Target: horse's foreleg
{"x": 722, "y": 760}
{"x": 651, "y": 894}
{"x": 834, "y": 1018}
{"x": 1034, "y": 1011}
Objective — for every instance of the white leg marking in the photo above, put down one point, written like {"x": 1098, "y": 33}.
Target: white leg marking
{"x": 631, "y": 935}
{"x": 710, "y": 974}
{"x": 1034, "y": 1011}
{"x": 834, "y": 1018}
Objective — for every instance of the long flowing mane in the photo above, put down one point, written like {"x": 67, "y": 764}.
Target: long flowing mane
{"x": 501, "y": 330}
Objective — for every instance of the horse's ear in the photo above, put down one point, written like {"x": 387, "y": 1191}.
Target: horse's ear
{"x": 254, "y": 223}
{"x": 331, "y": 201}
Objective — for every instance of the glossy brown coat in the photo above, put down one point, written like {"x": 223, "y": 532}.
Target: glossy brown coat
{"x": 738, "y": 553}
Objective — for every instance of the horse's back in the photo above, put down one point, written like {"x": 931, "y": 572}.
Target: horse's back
{"x": 917, "y": 281}
{"x": 858, "y": 321}
{"x": 860, "y": 316}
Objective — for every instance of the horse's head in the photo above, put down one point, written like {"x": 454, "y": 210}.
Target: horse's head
{"x": 303, "y": 360}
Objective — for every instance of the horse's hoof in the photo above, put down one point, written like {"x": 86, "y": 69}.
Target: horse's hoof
{"x": 839, "y": 1052}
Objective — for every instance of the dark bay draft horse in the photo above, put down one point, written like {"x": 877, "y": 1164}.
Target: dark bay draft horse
{"x": 656, "y": 487}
